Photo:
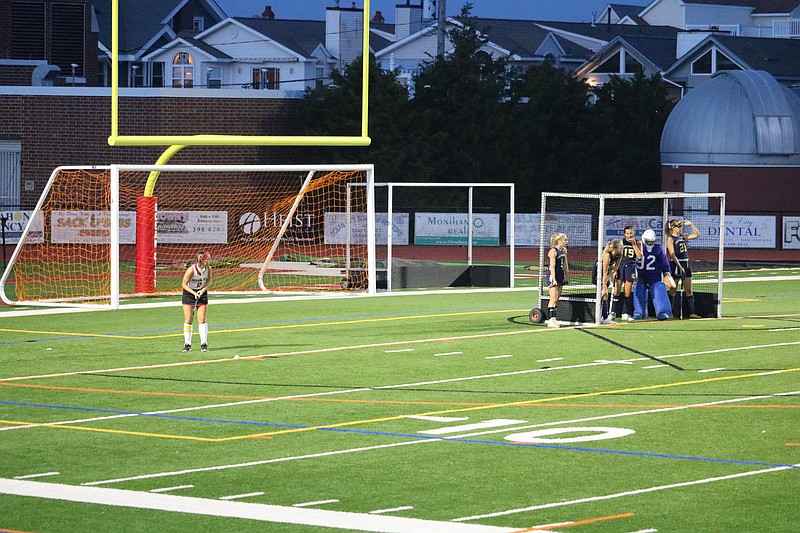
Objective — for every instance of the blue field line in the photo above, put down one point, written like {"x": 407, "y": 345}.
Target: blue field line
{"x": 414, "y": 436}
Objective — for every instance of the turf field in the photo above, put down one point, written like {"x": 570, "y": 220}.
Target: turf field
{"x": 410, "y": 413}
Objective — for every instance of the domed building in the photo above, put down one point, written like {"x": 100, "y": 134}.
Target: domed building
{"x": 738, "y": 133}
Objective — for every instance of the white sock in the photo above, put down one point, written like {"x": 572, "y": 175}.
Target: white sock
{"x": 203, "y": 328}
{"x": 187, "y": 333}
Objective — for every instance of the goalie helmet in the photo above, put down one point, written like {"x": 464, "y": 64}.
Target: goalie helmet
{"x": 649, "y": 238}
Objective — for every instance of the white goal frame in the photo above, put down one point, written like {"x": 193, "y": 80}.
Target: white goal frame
{"x": 470, "y": 192}
{"x": 114, "y": 234}
{"x": 599, "y": 237}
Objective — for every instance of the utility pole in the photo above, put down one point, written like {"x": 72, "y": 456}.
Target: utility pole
{"x": 441, "y": 15}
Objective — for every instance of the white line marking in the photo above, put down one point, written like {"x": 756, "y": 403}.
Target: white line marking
{"x": 399, "y": 351}
{"x": 646, "y": 531}
{"x": 627, "y": 493}
{"x": 32, "y": 476}
{"x": 240, "y": 496}
{"x": 784, "y": 329}
{"x": 416, "y": 441}
{"x": 312, "y": 504}
{"x": 711, "y": 370}
{"x": 655, "y": 366}
{"x": 440, "y": 418}
{"x": 248, "y": 511}
{"x": 170, "y": 489}
{"x": 499, "y": 356}
{"x": 498, "y": 422}
{"x": 393, "y": 510}
{"x": 447, "y": 353}
{"x": 549, "y": 360}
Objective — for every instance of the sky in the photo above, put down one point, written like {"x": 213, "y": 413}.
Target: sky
{"x": 556, "y": 10}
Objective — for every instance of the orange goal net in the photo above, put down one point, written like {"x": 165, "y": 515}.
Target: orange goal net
{"x": 101, "y": 233}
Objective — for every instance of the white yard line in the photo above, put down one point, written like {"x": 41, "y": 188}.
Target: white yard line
{"x": 241, "y": 496}
{"x": 241, "y": 510}
{"x": 625, "y": 494}
{"x": 428, "y": 440}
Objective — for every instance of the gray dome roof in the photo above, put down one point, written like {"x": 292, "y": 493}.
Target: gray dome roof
{"x": 741, "y": 117}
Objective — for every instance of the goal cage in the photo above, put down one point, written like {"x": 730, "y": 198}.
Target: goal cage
{"x": 445, "y": 235}
{"x": 590, "y": 221}
{"x": 104, "y": 234}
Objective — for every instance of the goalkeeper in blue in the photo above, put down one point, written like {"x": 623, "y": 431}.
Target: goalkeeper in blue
{"x": 652, "y": 276}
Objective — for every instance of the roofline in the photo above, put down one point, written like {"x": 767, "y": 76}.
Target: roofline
{"x": 175, "y": 42}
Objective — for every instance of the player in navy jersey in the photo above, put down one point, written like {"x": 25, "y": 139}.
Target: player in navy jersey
{"x": 626, "y": 275}
{"x": 557, "y": 274}
{"x": 678, "y": 254}
{"x": 651, "y": 272}
{"x": 195, "y": 285}
{"x": 611, "y": 257}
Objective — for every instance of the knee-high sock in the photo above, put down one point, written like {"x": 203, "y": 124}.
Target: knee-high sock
{"x": 187, "y": 333}
{"x": 551, "y": 312}
{"x": 690, "y": 304}
{"x": 203, "y": 328}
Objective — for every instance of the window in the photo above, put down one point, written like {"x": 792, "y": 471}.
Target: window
{"x": 702, "y": 65}
{"x": 10, "y": 152}
{"x": 713, "y": 61}
{"x": 213, "y": 77}
{"x": 183, "y": 71}
{"x": 725, "y": 63}
{"x": 136, "y": 75}
{"x": 27, "y": 30}
{"x": 610, "y": 65}
{"x": 198, "y": 24}
{"x": 157, "y": 74}
{"x": 267, "y": 78}
{"x": 319, "y": 77}
{"x": 632, "y": 65}
{"x": 695, "y": 183}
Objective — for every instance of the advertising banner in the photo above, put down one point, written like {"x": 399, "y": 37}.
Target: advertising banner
{"x": 791, "y": 233}
{"x": 452, "y": 229}
{"x": 192, "y": 227}
{"x": 336, "y": 228}
{"x": 527, "y": 225}
{"x": 14, "y": 223}
{"x": 74, "y": 227}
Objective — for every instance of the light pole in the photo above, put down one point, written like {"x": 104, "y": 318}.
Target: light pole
{"x": 74, "y": 66}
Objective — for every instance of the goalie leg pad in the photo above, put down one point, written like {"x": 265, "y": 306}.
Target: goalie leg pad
{"x": 661, "y": 301}
{"x": 639, "y": 300}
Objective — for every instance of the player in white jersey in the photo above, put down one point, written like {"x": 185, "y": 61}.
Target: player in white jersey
{"x": 195, "y": 285}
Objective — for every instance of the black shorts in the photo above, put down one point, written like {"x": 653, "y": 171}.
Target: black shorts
{"x": 559, "y": 278}
{"x": 188, "y": 298}
{"x": 676, "y": 272}
{"x": 627, "y": 272}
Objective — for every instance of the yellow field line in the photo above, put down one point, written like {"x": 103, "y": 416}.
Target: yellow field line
{"x": 379, "y": 402}
{"x": 512, "y": 404}
{"x": 400, "y": 417}
{"x": 99, "y": 430}
{"x": 262, "y": 328}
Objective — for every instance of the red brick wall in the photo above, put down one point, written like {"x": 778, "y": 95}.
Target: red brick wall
{"x": 747, "y": 189}
{"x": 73, "y": 130}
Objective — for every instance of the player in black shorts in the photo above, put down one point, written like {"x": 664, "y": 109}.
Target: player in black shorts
{"x": 626, "y": 275}
{"x": 678, "y": 254}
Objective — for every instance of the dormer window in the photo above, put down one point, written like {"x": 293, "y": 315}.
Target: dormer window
{"x": 620, "y": 63}
{"x": 198, "y": 24}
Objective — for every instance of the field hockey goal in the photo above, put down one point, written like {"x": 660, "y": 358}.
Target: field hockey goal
{"x": 590, "y": 221}
{"x": 445, "y": 235}
{"x": 102, "y": 234}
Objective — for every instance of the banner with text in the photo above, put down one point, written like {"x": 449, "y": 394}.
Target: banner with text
{"x": 527, "y": 228}
{"x": 452, "y": 229}
{"x": 791, "y": 233}
{"x": 336, "y": 228}
{"x": 80, "y": 227}
{"x": 14, "y": 223}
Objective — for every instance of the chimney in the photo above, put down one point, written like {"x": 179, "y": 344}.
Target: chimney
{"x": 268, "y": 13}
{"x": 408, "y": 19}
{"x": 378, "y": 18}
